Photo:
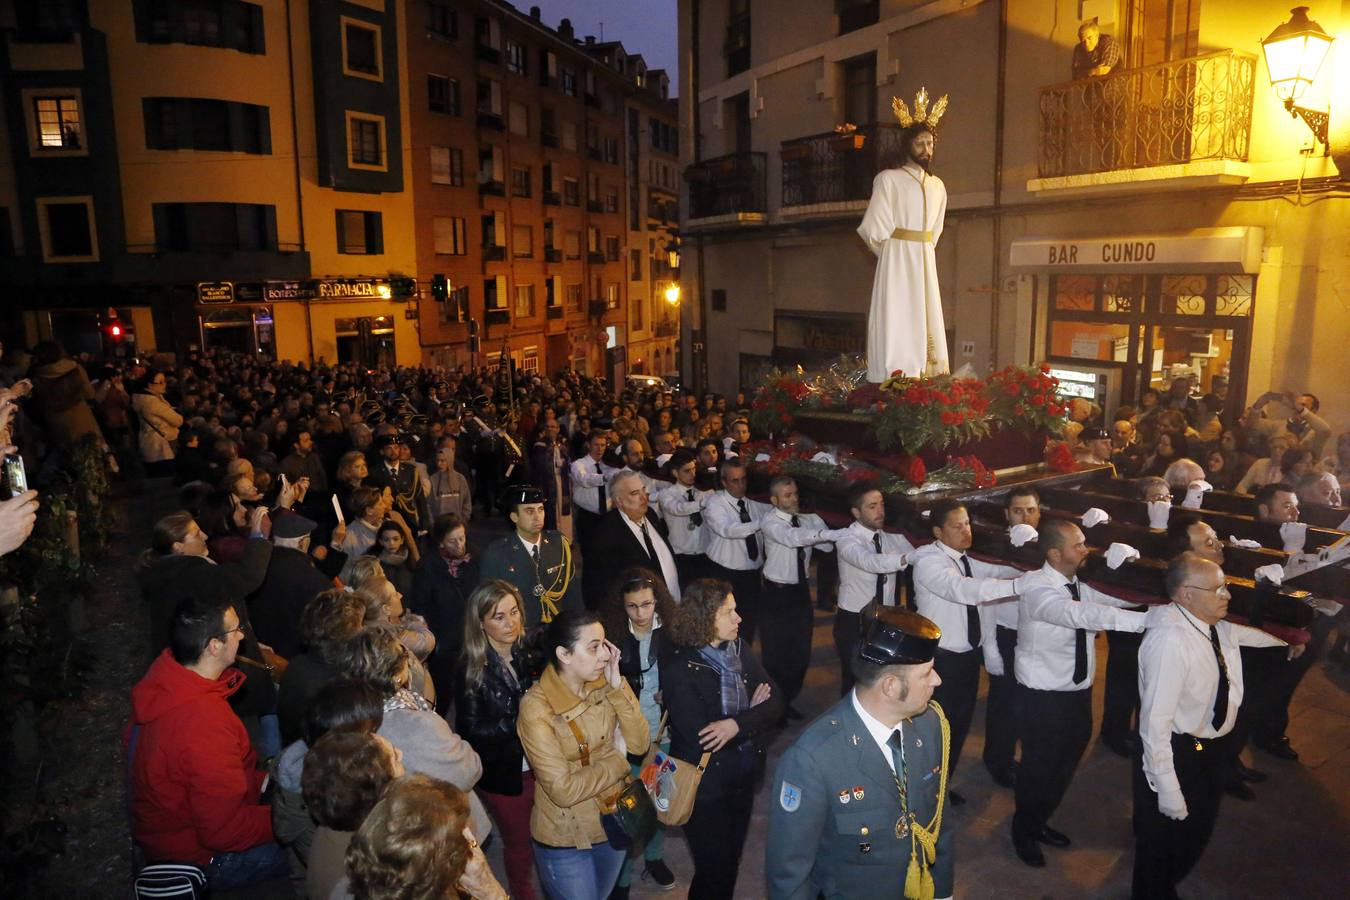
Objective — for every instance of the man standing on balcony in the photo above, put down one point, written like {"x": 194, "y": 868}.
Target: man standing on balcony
{"x": 1095, "y": 54}
{"x": 905, "y": 331}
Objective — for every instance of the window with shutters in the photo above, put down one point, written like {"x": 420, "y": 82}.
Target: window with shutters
{"x": 522, "y": 241}
{"x": 611, "y": 248}
{"x": 365, "y": 141}
{"x": 214, "y": 227}
{"x": 520, "y": 181}
{"x": 569, "y": 136}
{"x": 518, "y": 118}
{"x": 230, "y": 24}
{"x": 635, "y": 320}
{"x": 55, "y": 126}
{"x": 515, "y": 57}
{"x": 361, "y": 53}
{"x": 442, "y": 21}
{"x": 572, "y": 244}
{"x": 612, "y": 296}
{"x": 359, "y": 232}
{"x": 571, "y": 192}
{"x": 450, "y": 235}
{"x": 524, "y": 300}
{"x": 574, "y": 298}
{"x": 569, "y": 82}
{"x": 635, "y": 265}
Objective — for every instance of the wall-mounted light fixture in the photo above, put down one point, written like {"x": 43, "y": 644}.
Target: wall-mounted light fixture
{"x": 1294, "y": 53}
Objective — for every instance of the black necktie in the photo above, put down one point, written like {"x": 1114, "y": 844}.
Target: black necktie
{"x": 751, "y": 546}
{"x": 601, "y": 506}
{"x": 972, "y": 612}
{"x": 1079, "y": 642}
{"x": 534, "y": 551}
{"x": 897, "y": 742}
{"x": 697, "y": 518}
{"x": 879, "y": 597}
{"x": 801, "y": 556}
{"x": 1221, "y": 697}
{"x": 647, "y": 539}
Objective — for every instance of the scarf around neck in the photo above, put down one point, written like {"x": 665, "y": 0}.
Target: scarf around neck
{"x": 726, "y": 660}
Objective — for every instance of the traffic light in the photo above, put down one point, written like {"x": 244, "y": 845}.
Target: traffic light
{"x": 115, "y": 330}
{"x": 401, "y": 287}
{"x": 473, "y": 327}
{"x": 440, "y": 287}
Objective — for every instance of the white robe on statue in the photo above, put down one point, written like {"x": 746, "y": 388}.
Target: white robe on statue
{"x": 905, "y": 331}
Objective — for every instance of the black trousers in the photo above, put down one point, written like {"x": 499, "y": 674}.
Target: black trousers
{"x": 786, "y": 618}
{"x": 1122, "y": 683}
{"x": 827, "y": 579}
{"x": 960, "y": 674}
{"x": 1166, "y": 850}
{"x": 1056, "y": 728}
{"x": 716, "y": 833}
{"x": 846, "y": 630}
{"x": 1000, "y": 713}
{"x": 1271, "y": 718}
{"x": 592, "y": 574}
{"x": 745, "y": 585}
{"x": 690, "y": 566}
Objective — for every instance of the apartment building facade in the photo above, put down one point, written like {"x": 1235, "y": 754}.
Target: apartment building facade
{"x": 1171, "y": 218}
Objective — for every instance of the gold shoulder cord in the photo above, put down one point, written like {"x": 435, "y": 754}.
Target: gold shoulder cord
{"x": 918, "y": 880}
{"x": 548, "y": 600}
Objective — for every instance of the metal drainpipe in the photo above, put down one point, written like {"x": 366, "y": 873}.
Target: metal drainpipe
{"x": 1000, "y": 92}
{"x": 295, "y": 149}
{"x": 701, "y": 363}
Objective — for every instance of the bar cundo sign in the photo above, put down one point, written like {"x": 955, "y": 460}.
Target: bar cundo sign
{"x": 1229, "y": 249}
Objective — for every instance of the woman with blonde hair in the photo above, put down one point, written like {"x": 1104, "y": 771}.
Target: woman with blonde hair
{"x": 416, "y": 842}
{"x": 494, "y": 673}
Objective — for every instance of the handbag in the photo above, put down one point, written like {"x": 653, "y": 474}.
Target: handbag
{"x": 671, "y": 782}
{"x": 631, "y": 821}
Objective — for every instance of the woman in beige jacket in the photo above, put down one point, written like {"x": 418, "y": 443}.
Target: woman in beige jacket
{"x": 566, "y": 724}
{"x": 159, "y": 424}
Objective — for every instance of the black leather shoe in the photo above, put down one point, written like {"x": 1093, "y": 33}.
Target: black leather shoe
{"x": 1236, "y": 787}
{"x": 1248, "y": 774}
{"x": 1028, "y": 851}
{"x": 1121, "y": 744}
{"x": 955, "y": 799}
{"x": 1278, "y": 747}
{"x": 1052, "y": 837}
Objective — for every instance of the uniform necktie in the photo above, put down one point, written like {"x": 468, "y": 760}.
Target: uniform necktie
{"x": 647, "y": 539}
{"x": 879, "y": 597}
{"x": 801, "y": 556}
{"x": 751, "y": 546}
{"x": 1079, "y": 642}
{"x": 972, "y": 612}
{"x": 897, "y": 742}
{"x": 1221, "y": 697}
{"x": 697, "y": 518}
{"x": 602, "y": 506}
{"x": 534, "y": 551}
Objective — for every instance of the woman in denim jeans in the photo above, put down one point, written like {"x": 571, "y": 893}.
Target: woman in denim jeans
{"x": 567, "y": 722}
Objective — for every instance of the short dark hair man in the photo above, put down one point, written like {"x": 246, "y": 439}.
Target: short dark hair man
{"x": 1276, "y": 502}
{"x": 195, "y": 783}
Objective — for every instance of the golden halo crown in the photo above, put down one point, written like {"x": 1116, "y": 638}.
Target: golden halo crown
{"x": 921, "y": 115}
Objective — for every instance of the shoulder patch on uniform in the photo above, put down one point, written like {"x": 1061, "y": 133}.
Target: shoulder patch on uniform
{"x": 789, "y": 797}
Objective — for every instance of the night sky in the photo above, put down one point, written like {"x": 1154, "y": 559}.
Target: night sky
{"x": 645, "y": 26}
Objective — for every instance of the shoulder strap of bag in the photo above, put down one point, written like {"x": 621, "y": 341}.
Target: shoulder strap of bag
{"x": 661, "y": 729}
{"x": 582, "y": 745}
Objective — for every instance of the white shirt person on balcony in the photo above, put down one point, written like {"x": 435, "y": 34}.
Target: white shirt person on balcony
{"x": 905, "y": 330}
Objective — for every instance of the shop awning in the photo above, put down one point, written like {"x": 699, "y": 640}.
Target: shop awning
{"x": 1231, "y": 250}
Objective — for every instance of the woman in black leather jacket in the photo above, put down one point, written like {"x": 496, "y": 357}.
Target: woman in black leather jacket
{"x": 720, "y": 701}
{"x": 494, "y": 675}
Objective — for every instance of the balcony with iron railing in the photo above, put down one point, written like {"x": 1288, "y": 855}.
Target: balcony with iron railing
{"x": 728, "y": 190}
{"x": 1188, "y": 119}
{"x": 833, "y": 172}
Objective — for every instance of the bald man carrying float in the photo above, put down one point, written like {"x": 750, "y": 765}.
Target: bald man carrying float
{"x": 1190, "y": 688}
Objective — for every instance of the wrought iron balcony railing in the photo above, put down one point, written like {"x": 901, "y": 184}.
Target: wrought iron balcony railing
{"x": 835, "y": 168}
{"x": 727, "y": 185}
{"x": 1176, "y": 112}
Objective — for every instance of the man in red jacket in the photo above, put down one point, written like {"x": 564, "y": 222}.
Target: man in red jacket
{"x": 195, "y": 784}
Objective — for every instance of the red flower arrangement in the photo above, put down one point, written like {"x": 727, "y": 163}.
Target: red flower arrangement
{"x": 776, "y": 401}
{"x": 931, "y": 412}
{"x": 1059, "y": 457}
{"x": 1026, "y": 398}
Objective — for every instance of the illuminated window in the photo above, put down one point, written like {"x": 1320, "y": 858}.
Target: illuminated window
{"x": 58, "y": 122}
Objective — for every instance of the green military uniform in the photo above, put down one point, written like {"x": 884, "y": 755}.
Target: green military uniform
{"x": 837, "y": 825}
{"x": 547, "y": 589}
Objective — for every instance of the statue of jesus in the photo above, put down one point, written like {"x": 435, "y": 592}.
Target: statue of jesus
{"x": 905, "y": 330}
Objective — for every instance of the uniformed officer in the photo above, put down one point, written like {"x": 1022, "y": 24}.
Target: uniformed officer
{"x": 860, "y": 795}
{"x": 540, "y": 563}
{"x": 400, "y": 477}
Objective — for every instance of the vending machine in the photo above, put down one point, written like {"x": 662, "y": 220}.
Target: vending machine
{"x": 1099, "y": 384}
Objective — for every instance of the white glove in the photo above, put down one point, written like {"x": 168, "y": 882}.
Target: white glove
{"x": 1272, "y": 573}
{"x": 1172, "y": 804}
{"x": 1195, "y": 494}
{"x": 1246, "y": 543}
{"x": 1022, "y": 533}
{"x": 1159, "y": 511}
{"x": 1095, "y": 516}
{"x": 761, "y": 456}
{"x": 993, "y": 664}
{"x": 1294, "y": 535}
{"x": 824, "y": 457}
{"x": 1117, "y": 554}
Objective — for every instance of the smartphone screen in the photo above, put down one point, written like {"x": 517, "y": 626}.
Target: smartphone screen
{"x": 15, "y": 475}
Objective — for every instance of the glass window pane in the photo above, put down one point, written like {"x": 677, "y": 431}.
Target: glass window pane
{"x": 1089, "y": 340}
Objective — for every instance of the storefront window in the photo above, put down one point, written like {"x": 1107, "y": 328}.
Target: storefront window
{"x": 239, "y": 329}
{"x": 367, "y": 341}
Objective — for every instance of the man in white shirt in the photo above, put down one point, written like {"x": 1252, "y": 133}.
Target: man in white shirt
{"x": 1190, "y": 686}
{"x": 681, "y": 506}
{"x": 870, "y": 562}
{"x": 956, "y": 592}
{"x": 735, "y": 545}
{"x": 1022, "y": 506}
{"x": 786, "y": 614}
{"x": 590, "y": 497}
{"x": 1059, "y": 618}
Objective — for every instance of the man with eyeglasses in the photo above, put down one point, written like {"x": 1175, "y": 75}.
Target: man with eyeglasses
{"x": 1191, "y": 687}
{"x": 196, "y": 788}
